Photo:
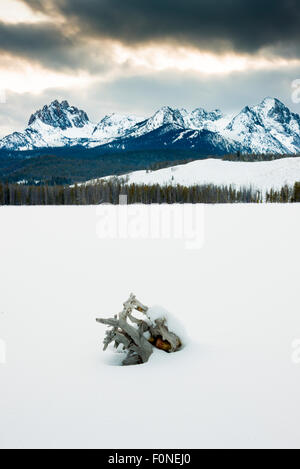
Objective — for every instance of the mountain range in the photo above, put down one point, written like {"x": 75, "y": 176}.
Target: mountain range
{"x": 269, "y": 127}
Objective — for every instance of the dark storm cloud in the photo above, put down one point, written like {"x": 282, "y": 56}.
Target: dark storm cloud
{"x": 241, "y": 25}
{"x": 48, "y": 45}
{"x": 39, "y": 42}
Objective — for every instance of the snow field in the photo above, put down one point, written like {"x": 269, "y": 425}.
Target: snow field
{"x": 235, "y": 384}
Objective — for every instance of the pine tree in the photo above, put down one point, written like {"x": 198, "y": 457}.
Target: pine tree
{"x": 296, "y": 192}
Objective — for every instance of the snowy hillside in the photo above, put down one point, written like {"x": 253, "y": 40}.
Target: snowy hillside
{"x": 269, "y": 127}
{"x": 235, "y": 386}
{"x": 263, "y": 175}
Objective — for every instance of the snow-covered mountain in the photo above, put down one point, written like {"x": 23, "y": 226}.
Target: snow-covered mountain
{"x": 269, "y": 127}
{"x": 201, "y": 119}
{"x": 56, "y": 125}
{"x": 112, "y": 127}
{"x": 165, "y": 116}
{"x": 60, "y": 115}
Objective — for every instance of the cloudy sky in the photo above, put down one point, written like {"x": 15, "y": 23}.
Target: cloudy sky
{"x": 134, "y": 56}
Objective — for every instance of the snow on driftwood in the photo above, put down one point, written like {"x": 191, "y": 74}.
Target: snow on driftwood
{"x": 140, "y": 332}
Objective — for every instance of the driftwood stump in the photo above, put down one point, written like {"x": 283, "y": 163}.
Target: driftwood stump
{"x": 138, "y": 336}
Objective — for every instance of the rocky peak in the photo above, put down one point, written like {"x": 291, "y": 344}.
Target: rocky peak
{"x": 212, "y": 115}
{"x": 115, "y": 125}
{"x": 248, "y": 118}
{"x": 272, "y": 108}
{"x": 167, "y": 115}
{"x": 60, "y": 115}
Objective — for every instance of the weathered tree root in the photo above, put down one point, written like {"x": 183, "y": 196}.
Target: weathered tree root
{"x": 133, "y": 337}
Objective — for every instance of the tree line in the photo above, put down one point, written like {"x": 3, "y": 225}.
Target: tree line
{"x": 110, "y": 191}
{"x": 255, "y": 157}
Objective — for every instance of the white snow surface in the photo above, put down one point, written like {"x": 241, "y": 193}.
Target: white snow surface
{"x": 263, "y": 175}
{"x": 235, "y": 385}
